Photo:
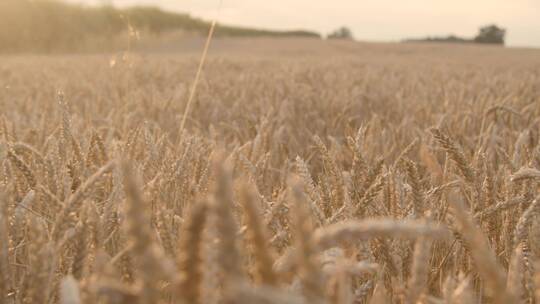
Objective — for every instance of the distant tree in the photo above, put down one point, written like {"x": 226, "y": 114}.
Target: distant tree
{"x": 490, "y": 34}
{"x": 341, "y": 33}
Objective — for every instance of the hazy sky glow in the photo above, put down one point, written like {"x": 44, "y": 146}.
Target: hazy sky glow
{"x": 372, "y": 20}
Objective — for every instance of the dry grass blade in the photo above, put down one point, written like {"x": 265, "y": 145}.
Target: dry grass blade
{"x": 193, "y": 90}
{"x": 190, "y": 257}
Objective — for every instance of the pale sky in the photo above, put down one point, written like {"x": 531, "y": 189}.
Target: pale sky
{"x": 370, "y": 20}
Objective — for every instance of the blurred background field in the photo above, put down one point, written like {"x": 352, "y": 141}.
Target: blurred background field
{"x": 53, "y": 26}
{"x": 309, "y": 156}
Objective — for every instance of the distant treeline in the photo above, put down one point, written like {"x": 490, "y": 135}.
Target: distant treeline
{"x": 450, "y": 39}
{"x": 490, "y": 34}
{"x": 47, "y": 25}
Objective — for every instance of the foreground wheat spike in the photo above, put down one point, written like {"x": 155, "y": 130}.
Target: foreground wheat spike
{"x": 485, "y": 259}
{"x": 306, "y": 253}
{"x": 514, "y": 281}
{"x": 406, "y": 151}
{"x": 459, "y": 292}
{"x": 522, "y": 226}
{"x": 137, "y": 218}
{"x": 359, "y": 165}
{"x": 339, "y": 285}
{"x": 24, "y": 168}
{"x": 419, "y": 270}
{"x": 417, "y": 192}
{"x": 75, "y": 200}
{"x": 69, "y": 291}
{"x": 222, "y": 204}
{"x": 113, "y": 292}
{"x": 334, "y": 173}
{"x": 380, "y": 293}
{"x": 190, "y": 256}
{"x": 371, "y": 177}
{"x": 153, "y": 266}
{"x": 366, "y": 201}
{"x": 80, "y": 252}
{"x": 257, "y": 237}
{"x": 244, "y": 293}
{"x": 311, "y": 189}
{"x": 456, "y": 155}
{"x": 536, "y": 280}
{"x": 19, "y": 147}
{"x": 5, "y": 271}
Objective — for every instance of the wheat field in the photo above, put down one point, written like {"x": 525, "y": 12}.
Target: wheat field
{"x": 307, "y": 172}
